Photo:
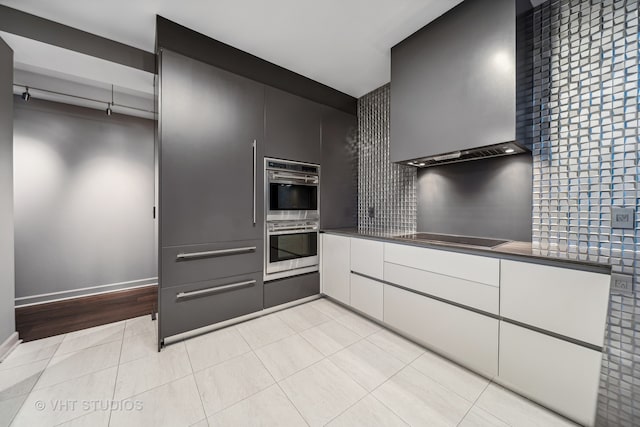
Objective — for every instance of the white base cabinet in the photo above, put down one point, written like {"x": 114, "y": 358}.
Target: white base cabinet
{"x": 558, "y": 374}
{"x": 335, "y": 267}
{"x": 554, "y": 372}
{"x": 560, "y": 300}
{"x": 467, "y": 337}
{"x": 366, "y": 296}
{"x": 367, "y": 257}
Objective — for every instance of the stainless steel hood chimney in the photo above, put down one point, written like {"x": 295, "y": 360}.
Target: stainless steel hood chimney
{"x": 453, "y": 87}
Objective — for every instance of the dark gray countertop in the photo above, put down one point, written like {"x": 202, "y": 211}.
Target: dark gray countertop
{"x": 515, "y": 251}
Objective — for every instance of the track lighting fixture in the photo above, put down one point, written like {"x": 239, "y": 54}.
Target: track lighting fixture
{"x": 109, "y": 111}
{"x": 26, "y": 95}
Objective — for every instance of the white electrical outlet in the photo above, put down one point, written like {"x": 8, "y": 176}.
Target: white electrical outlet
{"x": 623, "y": 218}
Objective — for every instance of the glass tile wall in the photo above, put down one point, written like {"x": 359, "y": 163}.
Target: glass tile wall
{"x": 386, "y": 191}
{"x": 585, "y": 161}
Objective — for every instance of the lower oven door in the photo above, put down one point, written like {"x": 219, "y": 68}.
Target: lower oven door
{"x": 289, "y": 252}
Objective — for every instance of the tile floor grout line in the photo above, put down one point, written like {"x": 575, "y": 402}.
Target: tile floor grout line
{"x": 73, "y": 353}
{"x": 385, "y": 405}
{"x": 27, "y": 394}
{"x": 354, "y": 379}
{"x": 346, "y": 409}
{"x": 437, "y": 382}
{"x": 474, "y": 404}
{"x": 34, "y": 384}
{"x": 390, "y": 409}
{"x": 155, "y": 338}
{"x": 446, "y": 386}
{"x": 57, "y": 384}
{"x": 241, "y": 400}
{"x": 115, "y": 383}
{"x": 91, "y": 346}
{"x": 204, "y": 410}
{"x": 499, "y": 418}
{"x": 293, "y": 404}
{"x": 32, "y": 361}
{"x": 423, "y": 350}
{"x": 245, "y": 398}
{"x": 281, "y": 389}
{"x": 279, "y": 315}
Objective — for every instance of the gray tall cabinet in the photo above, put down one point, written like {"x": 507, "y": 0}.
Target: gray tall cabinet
{"x": 221, "y": 111}
{"x": 211, "y": 192}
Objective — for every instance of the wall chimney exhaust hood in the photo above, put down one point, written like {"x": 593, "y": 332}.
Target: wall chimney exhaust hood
{"x": 453, "y": 87}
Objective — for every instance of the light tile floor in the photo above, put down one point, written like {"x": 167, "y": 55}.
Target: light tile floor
{"x": 314, "y": 364}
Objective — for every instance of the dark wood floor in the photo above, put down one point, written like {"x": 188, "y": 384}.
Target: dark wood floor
{"x": 54, "y": 318}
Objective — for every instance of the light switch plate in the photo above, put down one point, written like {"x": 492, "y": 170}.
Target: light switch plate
{"x": 621, "y": 284}
{"x": 623, "y": 218}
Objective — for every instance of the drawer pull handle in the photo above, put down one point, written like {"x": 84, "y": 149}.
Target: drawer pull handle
{"x": 209, "y": 291}
{"x": 220, "y": 252}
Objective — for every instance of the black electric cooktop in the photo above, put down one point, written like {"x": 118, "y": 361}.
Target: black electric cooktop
{"x": 455, "y": 240}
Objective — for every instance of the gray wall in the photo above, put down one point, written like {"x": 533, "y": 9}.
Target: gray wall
{"x": 488, "y": 198}
{"x": 7, "y": 317}
{"x": 84, "y": 193}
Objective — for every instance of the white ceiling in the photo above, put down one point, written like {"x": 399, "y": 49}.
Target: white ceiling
{"x": 32, "y": 55}
{"x": 344, "y": 44}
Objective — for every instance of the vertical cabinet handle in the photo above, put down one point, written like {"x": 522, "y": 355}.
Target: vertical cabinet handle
{"x": 255, "y": 177}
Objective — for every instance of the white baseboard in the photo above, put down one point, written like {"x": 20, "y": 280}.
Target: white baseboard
{"x": 9, "y": 345}
{"x": 83, "y": 292}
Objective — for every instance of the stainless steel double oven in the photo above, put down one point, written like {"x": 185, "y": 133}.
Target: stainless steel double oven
{"x": 292, "y": 192}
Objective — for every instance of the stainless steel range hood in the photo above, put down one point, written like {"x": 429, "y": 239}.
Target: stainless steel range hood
{"x": 453, "y": 87}
{"x": 496, "y": 150}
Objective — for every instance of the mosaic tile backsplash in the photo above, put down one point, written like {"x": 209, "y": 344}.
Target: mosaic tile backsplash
{"x": 386, "y": 191}
{"x": 585, "y": 160}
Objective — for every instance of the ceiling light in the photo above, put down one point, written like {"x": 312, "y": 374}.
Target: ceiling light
{"x": 448, "y": 156}
{"x": 421, "y": 164}
{"x": 26, "y": 95}
{"x": 109, "y": 111}
{"x": 509, "y": 150}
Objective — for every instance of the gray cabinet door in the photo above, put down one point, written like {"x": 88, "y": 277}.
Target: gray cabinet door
{"x": 453, "y": 83}
{"x": 195, "y": 305}
{"x": 292, "y": 127}
{"x": 195, "y": 263}
{"x": 210, "y": 180}
{"x": 339, "y": 169}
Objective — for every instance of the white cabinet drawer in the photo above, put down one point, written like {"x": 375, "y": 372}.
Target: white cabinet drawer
{"x": 472, "y": 294}
{"x": 553, "y": 372}
{"x": 568, "y": 302}
{"x": 463, "y": 266}
{"x": 462, "y": 335}
{"x": 335, "y": 267}
{"x": 366, "y": 296}
{"x": 367, "y": 257}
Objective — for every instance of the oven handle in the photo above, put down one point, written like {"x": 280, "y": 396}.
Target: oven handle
{"x": 215, "y": 290}
{"x": 277, "y": 176}
{"x": 295, "y": 231}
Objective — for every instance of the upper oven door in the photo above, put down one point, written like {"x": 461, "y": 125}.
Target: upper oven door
{"x": 291, "y": 195}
